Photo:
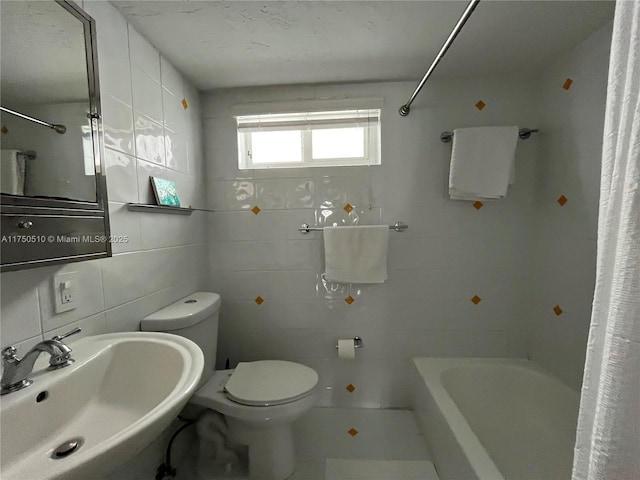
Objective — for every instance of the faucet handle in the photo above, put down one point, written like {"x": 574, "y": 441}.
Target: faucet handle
{"x": 9, "y": 353}
{"x": 63, "y": 359}
{"x": 68, "y": 334}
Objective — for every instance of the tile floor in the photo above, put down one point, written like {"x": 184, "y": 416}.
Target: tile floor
{"x": 324, "y": 433}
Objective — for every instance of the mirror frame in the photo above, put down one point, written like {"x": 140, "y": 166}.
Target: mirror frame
{"x": 66, "y": 215}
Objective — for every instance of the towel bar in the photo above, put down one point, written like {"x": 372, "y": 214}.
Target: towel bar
{"x": 305, "y": 228}
{"x": 524, "y": 133}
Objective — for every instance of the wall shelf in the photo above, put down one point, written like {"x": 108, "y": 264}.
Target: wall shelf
{"x": 142, "y": 207}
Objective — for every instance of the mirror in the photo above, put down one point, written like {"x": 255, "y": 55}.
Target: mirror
{"x": 44, "y": 76}
{"x": 53, "y": 189}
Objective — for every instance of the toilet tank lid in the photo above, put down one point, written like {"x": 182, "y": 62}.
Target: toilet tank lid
{"x": 184, "y": 313}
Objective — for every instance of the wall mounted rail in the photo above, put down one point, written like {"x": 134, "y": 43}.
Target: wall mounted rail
{"x": 305, "y": 228}
{"x": 148, "y": 208}
{"x": 523, "y": 134}
{"x": 406, "y": 108}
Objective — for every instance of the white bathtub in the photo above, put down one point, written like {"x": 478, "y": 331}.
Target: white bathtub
{"x": 495, "y": 419}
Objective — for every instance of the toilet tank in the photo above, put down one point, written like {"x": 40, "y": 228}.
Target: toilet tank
{"x": 194, "y": 317}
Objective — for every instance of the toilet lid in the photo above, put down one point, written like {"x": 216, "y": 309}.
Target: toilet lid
{"x": 270, "y": 382}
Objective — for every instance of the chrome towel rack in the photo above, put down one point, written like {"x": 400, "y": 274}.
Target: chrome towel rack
{"x": 524, "y": 133}
{"x": 305, "y": 228}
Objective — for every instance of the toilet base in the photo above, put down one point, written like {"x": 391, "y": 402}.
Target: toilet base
{"x": 271, "y": 449}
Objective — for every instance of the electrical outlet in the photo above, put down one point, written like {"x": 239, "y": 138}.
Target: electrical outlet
{"x": 64, "y": 287}
{"x": 66, "y": 291}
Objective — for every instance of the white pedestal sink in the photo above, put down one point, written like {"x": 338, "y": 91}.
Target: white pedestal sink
{"x": 122, "y": 391}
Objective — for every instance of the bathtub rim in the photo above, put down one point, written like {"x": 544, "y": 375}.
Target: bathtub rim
{"x": 431, "y": 369}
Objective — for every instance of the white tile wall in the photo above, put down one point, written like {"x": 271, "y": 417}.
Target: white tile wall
{"x": 142, "y": 53}
{"x": 114, "y": 65}
{"x": 20, "y": 307}
{"x": 117, "y": 124}
{"x": 521, "y": 256}
{"x": 164, "y": 257}
{"x": 565, "y": 236}
{"x": 147, "y": 95}
{"x": 450, "y": 253}
{"x": 149, "y": 135}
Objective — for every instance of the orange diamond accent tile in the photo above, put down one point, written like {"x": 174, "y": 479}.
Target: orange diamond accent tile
{"x": 567, "y": 84}
{"x": 480, "y": 105}
{"x": 562, "y": 200}
{"x": 557, "y": 310}
{"x": 256, "y": 210}
{"x": 476, "y": 299}
{"x": 4, "y": 129}
{"x": 353, "y": 432}
{"x": 348, "y": 208}
{"x": 259, "y": 300}
{"x": 351, "y": 388}
{"x": 349, "y": 299}
{"x": 477, "y": 205}
{"x": 185, "y": 104}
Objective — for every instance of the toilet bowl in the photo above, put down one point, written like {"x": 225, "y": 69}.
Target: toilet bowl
{"x": 260, "y": 400}
{"x": 266, "y": 428}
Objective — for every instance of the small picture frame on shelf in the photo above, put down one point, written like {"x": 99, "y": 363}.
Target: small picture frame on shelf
{"x": 165, "y": 191}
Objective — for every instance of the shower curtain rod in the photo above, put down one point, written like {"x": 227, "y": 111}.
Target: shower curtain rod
{"x": 406, "y": 108}
{"x": 58, "y": 128}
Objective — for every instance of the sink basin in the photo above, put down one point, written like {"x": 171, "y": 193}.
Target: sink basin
{"x": 122, "y": 391}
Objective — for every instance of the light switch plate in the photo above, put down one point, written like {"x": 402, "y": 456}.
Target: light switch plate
{"x": 65, "y": 291}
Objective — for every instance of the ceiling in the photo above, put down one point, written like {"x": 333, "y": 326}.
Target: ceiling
{"x": 220, "y": 44}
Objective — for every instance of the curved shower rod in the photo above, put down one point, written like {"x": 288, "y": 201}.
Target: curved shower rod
{"x": 54, "y": 126}
{"x": 406, "y": 108}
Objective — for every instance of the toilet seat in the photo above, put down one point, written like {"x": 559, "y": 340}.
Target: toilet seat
{"x": 270, "y": 382}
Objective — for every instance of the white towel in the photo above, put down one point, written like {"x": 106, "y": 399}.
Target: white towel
{"x": 482, "y": 162}
{"x": 11, "y": 172}
{"x": 356, "y": 254}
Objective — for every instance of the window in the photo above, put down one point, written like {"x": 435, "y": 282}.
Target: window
{"x": 312, "y": 139}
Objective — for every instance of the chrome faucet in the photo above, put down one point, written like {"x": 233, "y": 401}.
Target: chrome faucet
{"x": 15, "y": 370}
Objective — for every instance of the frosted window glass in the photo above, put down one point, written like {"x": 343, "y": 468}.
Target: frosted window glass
{"x": 309, "y": 139}
{"x": 337, "y": 143}
{"x": 276, "y": 147}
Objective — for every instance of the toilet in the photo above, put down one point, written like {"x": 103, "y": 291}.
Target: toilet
{"x": 260, "y": 400}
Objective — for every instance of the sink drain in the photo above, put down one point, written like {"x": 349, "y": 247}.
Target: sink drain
{"x": 67, "y": 448}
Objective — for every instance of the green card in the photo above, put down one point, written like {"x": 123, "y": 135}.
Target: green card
{"x": 165, "y": 191}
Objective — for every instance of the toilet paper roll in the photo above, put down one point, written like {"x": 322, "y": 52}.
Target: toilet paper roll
{"x": 346, "y": 349}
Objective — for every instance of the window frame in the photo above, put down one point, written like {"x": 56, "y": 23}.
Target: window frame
{"x": 371, "y": 138}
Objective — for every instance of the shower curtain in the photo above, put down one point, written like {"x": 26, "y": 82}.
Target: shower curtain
{"x": 608, "y": 435}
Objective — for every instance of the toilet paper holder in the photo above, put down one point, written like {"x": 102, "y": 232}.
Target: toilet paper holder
{"x": 357, "y": 342}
